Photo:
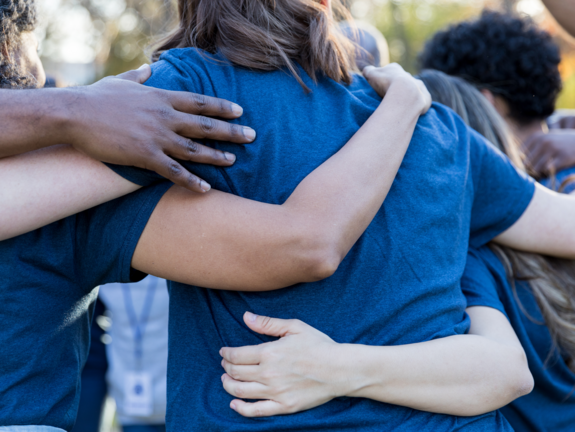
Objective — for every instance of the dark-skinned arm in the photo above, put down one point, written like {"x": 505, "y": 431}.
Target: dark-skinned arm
{"x": 118, "y": 120}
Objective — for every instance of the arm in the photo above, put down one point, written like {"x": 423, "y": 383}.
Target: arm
{"x": 117, "y": 120}
{"x": 459, "y": 375}
{"x": 550, "y": 152}
{"x": 547, "y": 226}
{"x": 268, "y": 247}
{"x": 564, "y": 12}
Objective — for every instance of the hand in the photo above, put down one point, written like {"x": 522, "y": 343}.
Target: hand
{"x": 382, "y": 79}
{"x": 291, "y": 374}
{"x": 118, "y": 120}
{"x": 567, "y": 122}
{"x": 550, "y": 152}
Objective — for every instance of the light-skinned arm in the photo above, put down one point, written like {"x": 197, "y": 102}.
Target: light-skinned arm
{"x": 564, "y": 12}
{"x": 547, "y": 226}
{"x": 222, "y": 241}
{"x": 461, "y": 375}
{"x": 118, "y": 120}
{"x": 236, "y": 244}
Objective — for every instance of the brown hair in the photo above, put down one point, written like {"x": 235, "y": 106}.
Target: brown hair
{"x": 552, "y": 280}
{"x": 267, "y": 35}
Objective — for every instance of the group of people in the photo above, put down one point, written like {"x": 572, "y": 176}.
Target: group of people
{"x": 379, "y": 257}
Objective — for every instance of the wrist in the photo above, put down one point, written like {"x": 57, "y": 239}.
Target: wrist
{"x": 67, "y": 115}
{"x": 350, "y": 371}
{"x": 409, "y": 94}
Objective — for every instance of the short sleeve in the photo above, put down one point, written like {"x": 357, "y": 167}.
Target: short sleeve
{"x": 478, "y": 283}
{"x": 501, "y": 192}
{"x": 168, "y": 73}
{"x": 106, "y": 236}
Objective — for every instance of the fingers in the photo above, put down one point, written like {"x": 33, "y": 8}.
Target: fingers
{"x": 201, "y": 127}
{"x": 242, "y": 372}
{"x": 244, "y": 390}
{"x": 187, "y": 149}
{"x": 272, "y": 326}
{"x": 193, "y": 103}
{"x": 247, "y": 355}
{"x": 176, "y": 173}
{"x": 140, "y": 75}
{"x": 266, "y": 408}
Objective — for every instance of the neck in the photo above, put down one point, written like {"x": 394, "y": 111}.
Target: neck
{"x": 522, "y": 131}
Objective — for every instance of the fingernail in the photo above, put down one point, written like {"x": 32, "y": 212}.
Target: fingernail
{"x": 233, "y": 406}
{"x": 251, "y": 317}
{"x": 230, "y": 156}
{"x": 249, "y": 133}
{"x": 223, "y": 377}
{"x": 222, "y": 363}
{"x": 204, "y": 186}
{"x": 143, "y": 66}
{"x": 220, "y": 352}
{"x": 237, "y": 110}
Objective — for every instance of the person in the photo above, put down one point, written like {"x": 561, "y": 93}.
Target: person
{"x": 306, "y": 365}
{"x": 138, "y": 349}
{"x": 372, "y": 45}
{"x": 418, "y": 241}
{"x": 48, "y": 275}
{"x": 114, "y": 120}
{"x": 515, "y": 65}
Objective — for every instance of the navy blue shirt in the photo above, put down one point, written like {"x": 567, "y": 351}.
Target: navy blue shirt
{"x": 47, "y": 296}
{"x": 551, "y": 405}
{"x": 398, "y": 285}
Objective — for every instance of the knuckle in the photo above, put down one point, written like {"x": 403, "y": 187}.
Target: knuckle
{"x": 207, "y": 124}
{"x": 258, "y": 412}
{"x": 266, "y": 322}
{"x": 174, "y": 169}
{"x": 192, "y": 147}
{"x": 235, "y": 131}
{"x": 200, "y": 102}
{"x": 164, "y": 113}
{"x": 239, "y": 391}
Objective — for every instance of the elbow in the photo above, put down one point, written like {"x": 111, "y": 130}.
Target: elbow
{"x": 523, "y": 383}
{"x": 323, "y": 264}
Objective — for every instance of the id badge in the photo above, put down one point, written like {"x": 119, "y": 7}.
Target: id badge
{"x": 138, "y": 390}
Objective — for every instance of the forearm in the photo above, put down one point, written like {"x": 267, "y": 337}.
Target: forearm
{"x": 564, "y": 13}
{"x": 33, "y": 119}
{"x": 546, "y": 227}
{"x": 459, "y": 375}
{"x": 260, "y": 247}
{"x": 43, "y": 186}
{"x": 341, "y": 197}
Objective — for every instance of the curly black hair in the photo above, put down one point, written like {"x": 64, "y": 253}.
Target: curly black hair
{"x": 16, "y": 16}
{"x": 505, "y": 54}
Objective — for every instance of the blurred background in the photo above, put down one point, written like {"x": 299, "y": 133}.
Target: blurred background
{"x": 84, "y": 40}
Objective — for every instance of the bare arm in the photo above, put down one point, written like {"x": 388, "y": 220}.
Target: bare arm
{"x": 117, "y": 120}
{"x": 547, "y": 226}
{"x": 564, "y": 12}
{"x": 220, "y": 241}
{"x": 458, "y": 375}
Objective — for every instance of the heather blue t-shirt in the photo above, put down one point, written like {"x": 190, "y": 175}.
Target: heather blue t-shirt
{"x": 398, "y": 285}
{"x": 551, "y": 405}
{"x": 47, "y": 300}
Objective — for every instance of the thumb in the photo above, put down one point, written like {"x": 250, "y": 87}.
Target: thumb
{"x": 140, "y": 75}
{"x": 271, "y": 326}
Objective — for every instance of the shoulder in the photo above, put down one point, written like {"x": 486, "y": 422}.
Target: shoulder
{"x": 186, "y": 69}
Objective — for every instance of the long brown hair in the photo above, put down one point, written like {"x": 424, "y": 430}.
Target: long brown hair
{"x": 552, "y": 280}
{"x": 267, "y": 35}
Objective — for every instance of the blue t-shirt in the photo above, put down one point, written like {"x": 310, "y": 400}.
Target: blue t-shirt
{"x": 47, "y": 296}
{"x": 398, "y": 285}
{"x": 551, "y": 405}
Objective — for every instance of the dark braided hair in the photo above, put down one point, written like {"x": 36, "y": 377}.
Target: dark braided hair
{"x": 16, "y": 17}
{"x": 505, "y": 54}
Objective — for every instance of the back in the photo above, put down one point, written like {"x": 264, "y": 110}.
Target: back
{"x": 399, "y": 284}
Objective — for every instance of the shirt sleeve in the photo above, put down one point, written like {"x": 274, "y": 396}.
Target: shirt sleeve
{"x": 168, "y": 73}
{"x": 478, "y": 284}
{"x": 501, "y": 192}
{"x": 106, "y": 237}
